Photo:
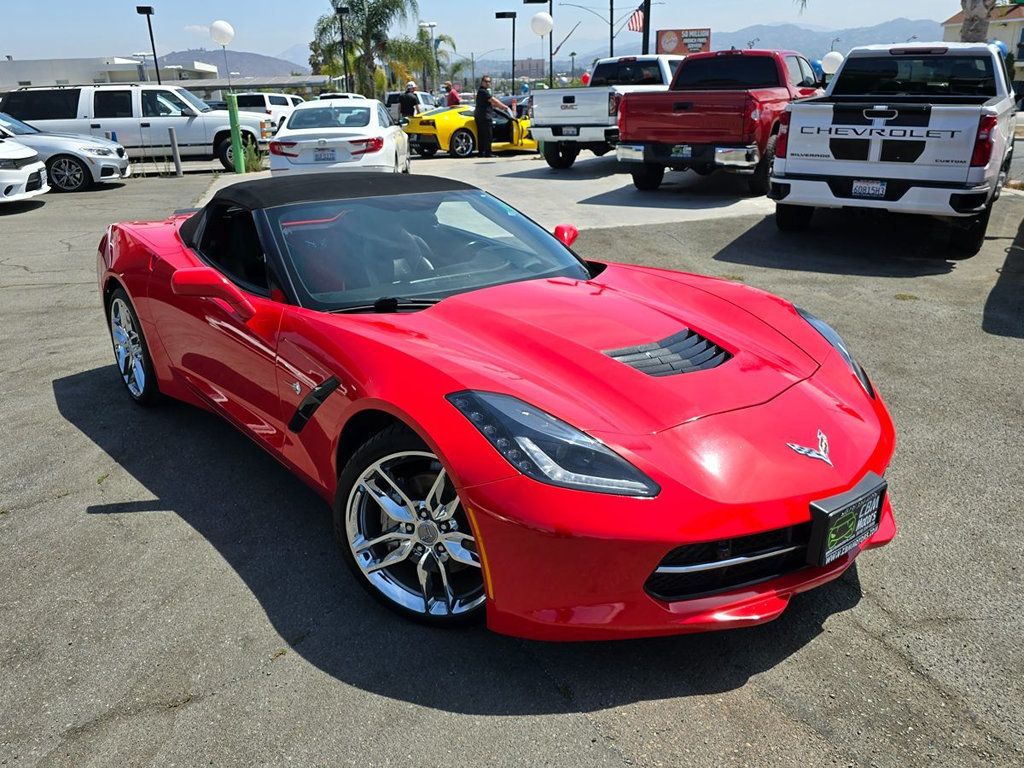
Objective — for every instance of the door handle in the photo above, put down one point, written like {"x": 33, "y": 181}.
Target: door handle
{"x": 682, "y": 106}
{"x": 94, "y": 125}
{"x": 144, "y": 125}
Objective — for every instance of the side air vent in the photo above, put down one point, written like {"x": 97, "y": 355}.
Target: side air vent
{"x": 683, "y": 352}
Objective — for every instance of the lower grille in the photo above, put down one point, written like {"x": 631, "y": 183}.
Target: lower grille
{"x": 35, "y": 181}
{"x": 700, "y": 570}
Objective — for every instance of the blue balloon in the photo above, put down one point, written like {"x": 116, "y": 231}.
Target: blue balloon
{"x": 524, "y": 88}
{"x": 1003, "y": 47}
{"x": 818, "y": 69}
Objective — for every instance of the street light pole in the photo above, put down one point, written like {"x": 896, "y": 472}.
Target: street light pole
{"x": 832, "y": 46}
{"x": 147, "y": 11}
{"x": 433, "y": 50}
{"x": 510, "y": 15}
{"x": 342, "y": 11}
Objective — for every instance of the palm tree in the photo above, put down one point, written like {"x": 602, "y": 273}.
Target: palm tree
{"x": 977, "y": 14}
{"x": 366, "y": 38}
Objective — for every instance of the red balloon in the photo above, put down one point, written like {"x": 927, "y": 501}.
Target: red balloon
{"x": 585, "y": 78}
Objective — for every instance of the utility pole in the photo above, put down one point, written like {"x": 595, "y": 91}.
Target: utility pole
{"x": 647, "y": 26}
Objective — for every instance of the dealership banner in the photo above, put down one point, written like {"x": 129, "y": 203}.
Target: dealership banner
{"x": 683, "y": 41}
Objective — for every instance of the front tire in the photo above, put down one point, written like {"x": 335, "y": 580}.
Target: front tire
{"x": 793, "y": 218}
{"x": 67, "y": 174}
{"x": 131, "y": 353}
{"x": 648, "y": 177}
{"x": 560, "y": 155}
{"x": 404, "y": 533}
{"x": 462, "y": 143}
{"x": 226, "y": 154}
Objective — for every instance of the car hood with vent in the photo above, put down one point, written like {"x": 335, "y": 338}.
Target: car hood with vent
{"x": 629, "y": 352}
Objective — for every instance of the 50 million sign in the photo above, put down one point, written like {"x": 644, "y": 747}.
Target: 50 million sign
{"x": 684, "y": 41}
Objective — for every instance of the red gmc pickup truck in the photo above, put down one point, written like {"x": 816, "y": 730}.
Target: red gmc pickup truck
{"x": 721, "y": 111}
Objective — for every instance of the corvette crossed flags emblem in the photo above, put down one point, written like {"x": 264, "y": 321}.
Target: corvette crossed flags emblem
{"x": 821, "y": 453}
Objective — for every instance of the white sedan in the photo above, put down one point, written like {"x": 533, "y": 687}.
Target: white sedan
{"x": 22, "y": 172}
{"x": 340, "y": 135}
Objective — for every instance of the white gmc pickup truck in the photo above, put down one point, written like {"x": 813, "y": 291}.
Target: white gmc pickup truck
{"x": 567, "y": 120}
{"x": 922, "y": 129}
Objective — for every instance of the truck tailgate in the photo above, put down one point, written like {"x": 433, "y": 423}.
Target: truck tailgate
{"x": 903, "y": 141}
{"x": 686, "y": 117}
{"x": 572, "y": 106}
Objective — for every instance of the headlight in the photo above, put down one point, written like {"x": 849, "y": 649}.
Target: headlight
{"x": 549, "y": 450}
{"x": 101, "y": 151}
{"x": 832, "y": 337}
{"x": 20, "y": 162}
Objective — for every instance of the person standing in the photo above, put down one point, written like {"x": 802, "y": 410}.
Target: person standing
{"x": 483, "y": 114}
{"x": 452, "y": 97}
{"x": 408, "y": 102}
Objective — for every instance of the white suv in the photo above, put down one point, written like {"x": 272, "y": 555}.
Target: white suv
{"x": 137, "y": 116}
{"x": 278, "y": 106}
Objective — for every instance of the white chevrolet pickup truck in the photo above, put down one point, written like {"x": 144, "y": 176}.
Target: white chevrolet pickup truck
{"x": 568, "y": 120}
{"x": 921, "y": 129}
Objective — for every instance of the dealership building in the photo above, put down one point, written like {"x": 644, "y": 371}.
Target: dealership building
{"x": 15, "y": 73}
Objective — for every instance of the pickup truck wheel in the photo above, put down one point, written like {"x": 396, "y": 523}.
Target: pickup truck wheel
{"x": 559, "y": 154}
{"x": 793, "y": 218}
{"x": 703, "y": 170}
{"x": 648, "y": 177}
{"x": 226, "y": 154}
{"x": 761, "y": 181}
{"x": 968, "y": 238}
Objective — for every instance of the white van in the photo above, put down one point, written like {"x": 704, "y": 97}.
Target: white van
{"x": 137, "y": 116}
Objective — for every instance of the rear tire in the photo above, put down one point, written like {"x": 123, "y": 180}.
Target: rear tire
{"x": 462, "y": 143}
{"x": 560, "y": 154}
{"x": 648, "y": 177}
{"x": 761, "y": 181}
{"x": 793, "y": 218}
{"x": 968, "y": 239}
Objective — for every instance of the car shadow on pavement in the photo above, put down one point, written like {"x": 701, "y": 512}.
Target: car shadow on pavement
{"x": 582, "y": 170}
{"x": 848, "y": 243}
{"x": 276, "y": 535}
{"x": 1004, "y": 308}
{"x": 13, "y": 209}
{"x": 684, "y": 190}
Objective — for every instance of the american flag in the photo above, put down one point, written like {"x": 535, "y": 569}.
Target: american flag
{"x": 636, "y": 21}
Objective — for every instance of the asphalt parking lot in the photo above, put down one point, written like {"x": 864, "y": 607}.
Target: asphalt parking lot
{"x": 172, "y": 596}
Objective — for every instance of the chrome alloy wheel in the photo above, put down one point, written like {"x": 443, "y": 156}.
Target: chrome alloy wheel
{"x": 410, "y": 536}
{"x": 462, "y": 143}
{"x": 127, "y": 347}
{"x": 67, "y": 174}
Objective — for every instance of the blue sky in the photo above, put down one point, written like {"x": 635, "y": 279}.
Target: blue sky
{"x": 64, "y": 28}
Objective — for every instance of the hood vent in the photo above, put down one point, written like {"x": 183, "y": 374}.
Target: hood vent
{"x": 683, "y": 352}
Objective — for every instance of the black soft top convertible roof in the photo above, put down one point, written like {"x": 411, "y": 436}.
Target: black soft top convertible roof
{"x": 314, "y": 187}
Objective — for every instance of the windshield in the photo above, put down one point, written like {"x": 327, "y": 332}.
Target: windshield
{"x": 16, "y": 127}
{"x": 727, "y": 73}
{"x": 330, "y": 117}
{"x": 917, "y": 76}
{"x": 195, "y": 101}
{"x": 346, "y": 254}
{"x": 627, "y": 73}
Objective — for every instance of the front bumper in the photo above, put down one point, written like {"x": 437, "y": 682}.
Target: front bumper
{"x": 108, "y": 168}
{"x": 738, "y": 158}
{"x": 902, "y": 196}
{"x": 23, "y": 183}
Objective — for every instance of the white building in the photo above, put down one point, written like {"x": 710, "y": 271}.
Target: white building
{"x": 15, "y": 73}
{"x": 1007, "y": 24}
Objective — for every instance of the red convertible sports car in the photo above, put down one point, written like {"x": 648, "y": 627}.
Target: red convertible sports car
{"x": 575, "y": 449}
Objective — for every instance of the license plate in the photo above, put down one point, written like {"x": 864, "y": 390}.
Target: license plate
{"x": 874, "y": 189}
{"x": 682, "y": 150}
{"x": 323, "y": 155}
{"x": 842, "y": 523}
{"x": 570, "y": 131}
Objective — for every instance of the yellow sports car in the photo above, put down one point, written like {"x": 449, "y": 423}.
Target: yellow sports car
{"x": 453, "y": 130}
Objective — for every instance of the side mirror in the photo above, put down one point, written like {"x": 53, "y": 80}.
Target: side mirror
{"x": 567, "y": 234}
{"x": 188, "y": 112}
{"x": 206, "y": 283}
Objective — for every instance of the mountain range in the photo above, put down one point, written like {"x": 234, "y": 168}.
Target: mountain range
{"x": 245, "y": 63}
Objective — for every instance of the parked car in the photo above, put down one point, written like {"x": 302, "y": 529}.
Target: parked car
{"x": 340, "y": 135}
{"x": 340, "y": 95}
{"x": 138, "y": 115}
{"x": 73, "y": 162}
{"x": 453, "y": 130}
{"x": 568, "y": 120}
{"x": 277, "y": 105}
{"x": 722, "y": 111}
{"x": 22, "y": 172}
{"x": 925, "y": 129}
{"x": 391, "y": 101}
{"x": 573, "y": 450}
{"x": 216, "y": 104}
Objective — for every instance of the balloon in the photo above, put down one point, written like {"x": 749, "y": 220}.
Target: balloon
{"x": 1003, "y": 47}
{"x": 816, "y": 66}
{"x": 832, "y": 61}
{"x": 222, "y": 32}
{"x": 585, "y": 78}
{"x": 542, "y": 24}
